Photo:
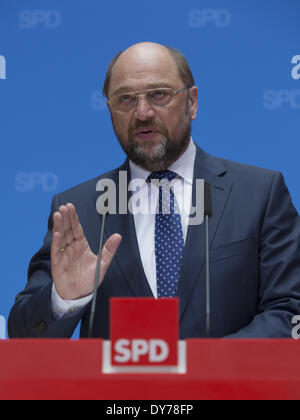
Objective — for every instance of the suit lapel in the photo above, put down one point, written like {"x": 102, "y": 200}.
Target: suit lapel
{"x": 210, "y": 169}
{"x": 128, "y": 256}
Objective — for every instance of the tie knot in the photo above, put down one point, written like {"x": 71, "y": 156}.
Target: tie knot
{"x": 169, "y": 175}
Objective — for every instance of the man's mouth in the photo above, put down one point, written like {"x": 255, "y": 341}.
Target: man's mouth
{"x": 147, "y": 133}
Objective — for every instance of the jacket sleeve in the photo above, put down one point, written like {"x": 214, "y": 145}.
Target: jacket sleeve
{"x": 32, "y": 315}
{"x": 279, "y": 292}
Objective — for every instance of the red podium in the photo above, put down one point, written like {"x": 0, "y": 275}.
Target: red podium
{"x": 145, "y": 361}
{"x": 216, "y": 369}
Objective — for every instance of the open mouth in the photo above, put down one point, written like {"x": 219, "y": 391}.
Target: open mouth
{"x": 147, "y": 133}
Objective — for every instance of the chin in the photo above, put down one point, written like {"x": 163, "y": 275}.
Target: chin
{"x": 150, "y": 153}
{"x": 154, "y": 156}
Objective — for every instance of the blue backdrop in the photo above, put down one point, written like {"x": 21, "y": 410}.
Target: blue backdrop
{"x": 54, "y": 126}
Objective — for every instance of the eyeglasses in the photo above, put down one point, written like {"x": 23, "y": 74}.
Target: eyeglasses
{"x": 158, "y": 97}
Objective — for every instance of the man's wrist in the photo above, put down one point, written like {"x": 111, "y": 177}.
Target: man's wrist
{"x": 63, "y": 308}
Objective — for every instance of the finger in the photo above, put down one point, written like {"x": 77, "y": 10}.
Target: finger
{"x": 58, "y": 244}
{"x": 58, "y": 223}
{"x": 108, "y": 252}
{"x": 68, "y": 233}
{"x": 75, "y": 224}
{"x": 112, "y": 243}
{"x": 58, "y": 238}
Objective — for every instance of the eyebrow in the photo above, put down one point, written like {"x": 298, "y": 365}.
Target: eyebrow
{"x": 127, "y": 89}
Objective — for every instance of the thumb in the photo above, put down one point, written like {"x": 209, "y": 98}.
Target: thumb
{"x": 108, "y": 252}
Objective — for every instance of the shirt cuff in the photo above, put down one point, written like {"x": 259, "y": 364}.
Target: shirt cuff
{"x": 67, "y": 308}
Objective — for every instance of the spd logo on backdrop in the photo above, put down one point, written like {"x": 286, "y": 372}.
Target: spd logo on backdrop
{"x": 203, "y": 18}
{"x": 2, "y": 67}
{"x": 31, "y": 19}
{"x": 28, "y": 182}
{"x": 288, "y": 98}
{"x": 282, "y": 98}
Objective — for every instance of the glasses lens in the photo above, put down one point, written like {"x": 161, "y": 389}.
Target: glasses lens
{"x": 128, "y": 101}
{"x": 160, "y": 97}
{"x": 123, "y": 103}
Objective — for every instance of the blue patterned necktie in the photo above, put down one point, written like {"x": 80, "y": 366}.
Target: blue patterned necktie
{"x": 169, "y": 242}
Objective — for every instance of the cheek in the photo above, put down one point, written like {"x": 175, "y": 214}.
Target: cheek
{"x": 175, "y": 120}
{"x": 120, "y": 125}
{"x": 170, "y": 118}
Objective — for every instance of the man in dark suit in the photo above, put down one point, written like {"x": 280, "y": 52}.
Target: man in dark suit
{"x": 254, "y": 230}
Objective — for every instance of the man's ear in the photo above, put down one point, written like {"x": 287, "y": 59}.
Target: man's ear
{"x": 193, "y": 102}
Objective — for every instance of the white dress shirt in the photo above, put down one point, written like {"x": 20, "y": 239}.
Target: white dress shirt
{"x": 143, "y": 199}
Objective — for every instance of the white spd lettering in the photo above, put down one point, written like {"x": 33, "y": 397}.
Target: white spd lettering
{"x": 132, "y": 350}
{"x": 26, "y": 182}
{"x": 29, "y": 19}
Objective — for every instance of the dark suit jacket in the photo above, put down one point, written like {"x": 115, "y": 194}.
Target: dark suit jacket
{"x": 255, "y": 260}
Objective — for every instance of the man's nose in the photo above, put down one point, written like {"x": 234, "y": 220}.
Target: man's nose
{"x": 143, "y": 110}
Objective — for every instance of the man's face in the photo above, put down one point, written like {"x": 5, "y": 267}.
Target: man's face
{"x": 152, "y": 137}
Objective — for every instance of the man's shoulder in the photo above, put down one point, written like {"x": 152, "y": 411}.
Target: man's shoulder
{"x": 239, "y": 169}
{"x": 248, "y": 180}
{"x": 234, "y": 170}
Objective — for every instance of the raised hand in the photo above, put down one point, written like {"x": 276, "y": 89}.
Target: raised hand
{"x": 73, "y": 263}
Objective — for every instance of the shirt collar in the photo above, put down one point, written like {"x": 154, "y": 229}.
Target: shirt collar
{"x": 184, "y": 166}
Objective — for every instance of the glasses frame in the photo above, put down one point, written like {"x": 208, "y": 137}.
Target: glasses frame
{"x": 140, "y": 93}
